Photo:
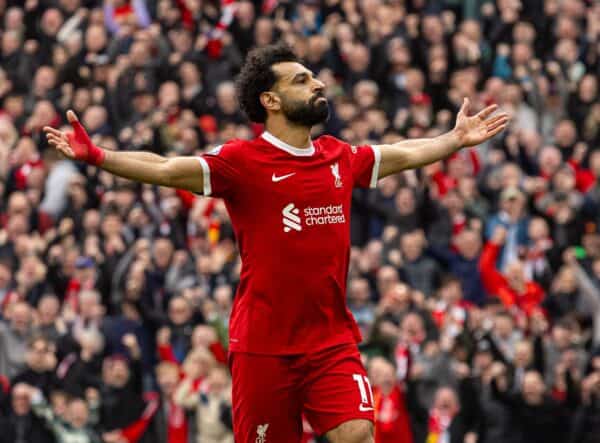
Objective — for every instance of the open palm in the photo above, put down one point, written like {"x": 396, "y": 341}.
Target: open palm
{"x": 473, "y": 130}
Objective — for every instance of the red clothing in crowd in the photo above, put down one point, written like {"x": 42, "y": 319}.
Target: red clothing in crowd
{"x": 584, "y": 178}
{"x": 495, "y": 283}
{"x": 177, "y": 424}
{"x": 446, "y": 182}
{"x": 392, "y": 423}
{"x": 165, "y": 353}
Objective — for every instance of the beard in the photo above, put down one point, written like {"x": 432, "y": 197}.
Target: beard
{"x": 307, "y": 114}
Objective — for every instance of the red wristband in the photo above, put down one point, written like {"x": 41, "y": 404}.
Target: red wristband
{"x": 95, "y": 155}
{"x": 84, "y": 149}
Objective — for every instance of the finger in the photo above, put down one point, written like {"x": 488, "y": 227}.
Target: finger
{"x": 72, "y": 117}
{"x": 496, "y": 131}
{"x": 66, "y": 150}
{"x": 500, "y": 122}
{"x": 484, "y": 113}
{"x": 464, "y": 109}
{"x": 495, "y": 118}
{"x": 496, "y": 126}
{"x": 78, "y": 129}
{"x": 54, "y": 140}
{"x": 51, "y": 130}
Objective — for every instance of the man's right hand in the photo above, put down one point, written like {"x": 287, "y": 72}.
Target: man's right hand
{"x": 75, "y": 145}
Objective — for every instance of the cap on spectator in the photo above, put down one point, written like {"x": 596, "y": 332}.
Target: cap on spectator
{"x": 511, "y": 193}
{"x": 420, "y": 99}
{"x": 84, "y": 262}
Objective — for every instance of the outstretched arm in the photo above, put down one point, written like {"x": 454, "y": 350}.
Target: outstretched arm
{"x": 468, "y": 131}
{"x": 145, "y": 167}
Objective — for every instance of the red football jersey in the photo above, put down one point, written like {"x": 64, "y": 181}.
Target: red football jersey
{"x": 290, "y": 210}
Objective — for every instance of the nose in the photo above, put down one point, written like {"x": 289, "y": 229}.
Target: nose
{"x": 318, "y": 85}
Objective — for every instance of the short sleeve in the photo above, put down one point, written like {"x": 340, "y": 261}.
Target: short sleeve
{"x": 220, "y": 169}
{"x": 365, "y": 165}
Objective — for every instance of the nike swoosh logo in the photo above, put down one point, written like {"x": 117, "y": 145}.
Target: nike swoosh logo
{"x": 283, "y": 177}
{"x": 362, "y": 408}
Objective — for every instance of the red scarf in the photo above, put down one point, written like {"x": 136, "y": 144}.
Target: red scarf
{"x": 215, "y": 44}
{"x": 392, "y": 423}
{"x": 137, "y": 429}
{"x": 437, "y": 427}
{"x": 177, "y": 425}
{"x": 24, "y": 170}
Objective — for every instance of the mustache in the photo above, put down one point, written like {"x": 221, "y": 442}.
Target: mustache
{"x": 317, "y": 96}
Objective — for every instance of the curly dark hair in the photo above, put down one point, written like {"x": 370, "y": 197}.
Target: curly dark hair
{"x": 257, "y": 76}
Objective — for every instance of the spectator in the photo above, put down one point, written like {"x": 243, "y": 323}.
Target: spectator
{"x": 21, "y": 425}
{"x": 512, "y": 288}
{"x": 79, "y": 418}
{"x": 359, "y": 295}
{"x": 212, "y": 404}
{"x": 537, "y": 412}
{"x": 389, "y": 397}
{"x": 170, "y": 423}
{"x": 419, "y": 271}
{"x": 513, "y": 218}
{"x": 40, "y": 360}
{"x": 49, "y": 323}
{"x": 463, "y": 263}
{"x": 15, "y": 336}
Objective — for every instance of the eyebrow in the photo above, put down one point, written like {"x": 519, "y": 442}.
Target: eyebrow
{"x": 301, "y": 74}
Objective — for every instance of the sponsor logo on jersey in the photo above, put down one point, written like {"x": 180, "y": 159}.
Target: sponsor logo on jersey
{"x": 295, "y": 219}
{"x": 291, "y": 219}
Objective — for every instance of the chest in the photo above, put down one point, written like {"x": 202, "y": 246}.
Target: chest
{"x": 325, "y": 178}
{"x": 293, "y": 195}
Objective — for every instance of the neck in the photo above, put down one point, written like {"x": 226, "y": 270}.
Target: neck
{"x": 292, "y": 134}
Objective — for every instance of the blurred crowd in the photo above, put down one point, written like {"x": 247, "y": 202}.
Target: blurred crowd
{"x": 475, "y": 281}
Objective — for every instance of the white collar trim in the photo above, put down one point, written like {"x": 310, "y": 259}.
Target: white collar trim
{"x": 278, "y": 143}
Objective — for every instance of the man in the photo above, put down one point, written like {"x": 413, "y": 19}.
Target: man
{"x": 20, "y": 425}
{"x": 292, "y": 339}
{"x": 13, "y": 339}
{"x": 512, "y": 287}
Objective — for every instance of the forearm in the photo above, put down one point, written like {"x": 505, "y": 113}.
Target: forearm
{"x": 136, "y": 165}
{"x": 146, "y": 167}
{"x": 410, "y": 154}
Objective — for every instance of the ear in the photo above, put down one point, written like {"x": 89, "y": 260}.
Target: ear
{"x": 270, "y": 101}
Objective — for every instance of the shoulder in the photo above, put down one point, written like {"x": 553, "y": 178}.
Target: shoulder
{"x": 329, "y": 142}
{"x": 228, "y": 148}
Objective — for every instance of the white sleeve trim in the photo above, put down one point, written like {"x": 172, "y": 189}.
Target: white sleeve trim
{"x": 207, "y": 190}
{"x": 376, "y": 161}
